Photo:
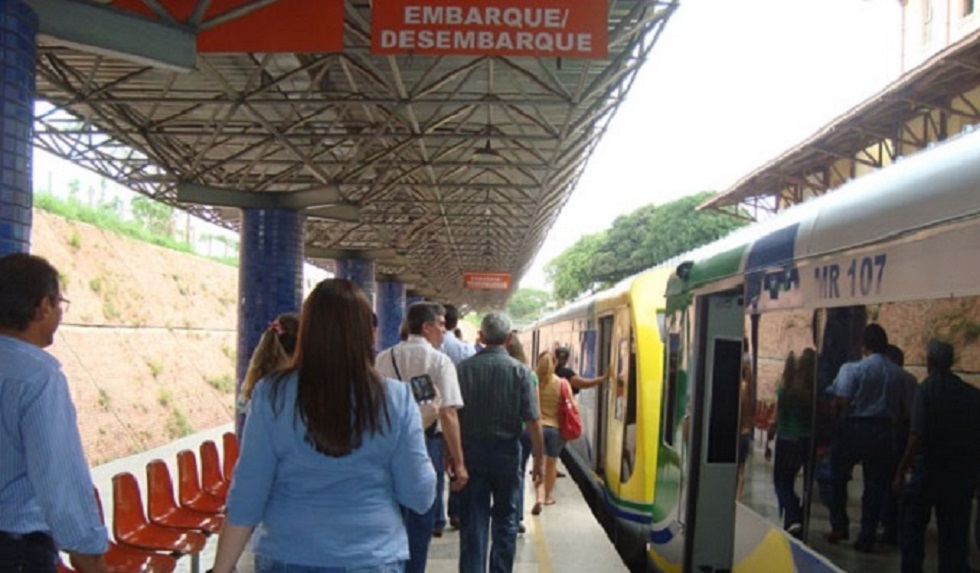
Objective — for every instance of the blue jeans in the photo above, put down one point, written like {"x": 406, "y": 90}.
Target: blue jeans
{"x": 31, "y": 553}
{"x": 791, "y": 456}
{"x": 419, "y": 525}
{"x": 268, "y": 565}
{"x": 488, "y": 506}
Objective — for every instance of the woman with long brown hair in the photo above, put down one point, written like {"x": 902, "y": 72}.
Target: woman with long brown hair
{"x": 330, "y": 451}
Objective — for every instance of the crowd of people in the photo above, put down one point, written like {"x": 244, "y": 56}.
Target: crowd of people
{"x": 334, "y": 429}
{"x": 918, "y": 444}
{"x": 343, "y": 452}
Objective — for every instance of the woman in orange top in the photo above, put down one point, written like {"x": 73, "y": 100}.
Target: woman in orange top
{"x": 549, "y": 393}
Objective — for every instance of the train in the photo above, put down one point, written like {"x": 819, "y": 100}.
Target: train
{"x": 658, "y": 456}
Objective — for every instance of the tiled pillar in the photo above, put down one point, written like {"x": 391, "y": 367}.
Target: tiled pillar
{"x": 18, "y": 45}
{"x": 270, "y": 277}
{"x": 391, "y": 311}
{"x": 359, "y": 272}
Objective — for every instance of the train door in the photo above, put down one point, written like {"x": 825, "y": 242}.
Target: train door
{"x": 602, "y": 365}
{"x": 710, "y": 511}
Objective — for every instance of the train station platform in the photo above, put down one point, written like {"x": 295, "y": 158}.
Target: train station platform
{"x": 565, "y": 538}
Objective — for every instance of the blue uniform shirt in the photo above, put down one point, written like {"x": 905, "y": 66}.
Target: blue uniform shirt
{"x": 876, "y": 387}
{"x": 321, "y": 511}
{"x": 45, "y": 484}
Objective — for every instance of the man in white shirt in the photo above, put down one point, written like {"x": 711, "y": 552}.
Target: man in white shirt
{"x": 419, "y": 356}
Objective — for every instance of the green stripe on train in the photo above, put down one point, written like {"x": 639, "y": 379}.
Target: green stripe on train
{"x": 719, "y": 266}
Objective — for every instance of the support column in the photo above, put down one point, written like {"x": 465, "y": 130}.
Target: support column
{"x": 390, "y": 310}
{"x": 359, "y": 272}
{"x": 18, "y": 47}
{"x": 270, "y": 278}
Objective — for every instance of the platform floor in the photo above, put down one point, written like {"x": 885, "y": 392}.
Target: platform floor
{"x": 565, "y": 538}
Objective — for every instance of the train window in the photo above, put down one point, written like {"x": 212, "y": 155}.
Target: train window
{"x": 670, "y": 405}
{"x": 629, "y": 435}
{"x": 724, "y": 401}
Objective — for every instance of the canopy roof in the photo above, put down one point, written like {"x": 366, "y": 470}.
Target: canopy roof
{"x": 431, "y": 165}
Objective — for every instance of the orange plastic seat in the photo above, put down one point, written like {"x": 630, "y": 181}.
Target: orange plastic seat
{"x": 131, "y": 528}
{"x": 229, "y": 442}
{"x": 163, "y": 510}
{"x": 121, "y": 559}
{"x": 211, "y": 478}
{"x": 190, "y": 493}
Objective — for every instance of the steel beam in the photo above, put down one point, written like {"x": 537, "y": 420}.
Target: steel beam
{"x": 95, "y": 28}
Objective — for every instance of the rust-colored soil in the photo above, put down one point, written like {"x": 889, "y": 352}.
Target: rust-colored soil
{"x": 148, "y": 344}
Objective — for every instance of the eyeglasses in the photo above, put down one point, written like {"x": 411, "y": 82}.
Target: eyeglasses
{"x": 64, "y": 303}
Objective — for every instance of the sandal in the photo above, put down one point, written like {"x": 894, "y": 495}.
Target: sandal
{"x": 536, "y": 510}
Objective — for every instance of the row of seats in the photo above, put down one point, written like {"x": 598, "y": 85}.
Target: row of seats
{"x": 152, "y": 541}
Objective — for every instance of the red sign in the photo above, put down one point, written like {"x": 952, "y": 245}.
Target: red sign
{"x": 540, "y": 28}
{"x": 486, "y": 281}
{"x": 300, "y": 26}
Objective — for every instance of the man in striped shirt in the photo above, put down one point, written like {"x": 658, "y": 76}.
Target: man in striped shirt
{"x": 498, "y": 395}
{"x": 46, "y": 500}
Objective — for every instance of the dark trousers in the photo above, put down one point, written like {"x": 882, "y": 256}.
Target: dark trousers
{"x": 488, "y": 506}
{"x": 791, "y": 457}
{"x": 950, "y": 495}
{"x": 870, "y": 441}
{"x": 525, "y": 454}
{"x": 27, "y": 553}
{"x": 419, "y": 525}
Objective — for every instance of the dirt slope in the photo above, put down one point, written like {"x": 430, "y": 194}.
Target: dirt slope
{"x": 148, "y": 344}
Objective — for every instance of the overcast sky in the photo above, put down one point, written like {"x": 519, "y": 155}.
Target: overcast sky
{"x": 729, "y": 86}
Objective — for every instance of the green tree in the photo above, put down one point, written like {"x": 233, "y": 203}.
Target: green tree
{"x": 153, "y": 215}
{"x": 637, "y": 241}
{"x": 527, "y": 304}
{"x": 570, "y": 273}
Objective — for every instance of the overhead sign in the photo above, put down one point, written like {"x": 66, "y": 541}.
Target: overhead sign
{"x": 540, "y": 28}
{"x": 486, "y": 281}
{"x": 285, "y": 26}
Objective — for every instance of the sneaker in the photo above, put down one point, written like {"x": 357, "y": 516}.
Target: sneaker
{"x": 437, "y": 532}
{"x": 837, "y": 535}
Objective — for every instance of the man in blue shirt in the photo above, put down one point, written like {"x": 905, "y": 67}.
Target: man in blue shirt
{"x": 872, "y": 399}
{"x": 46, "y": 499}
{"x": 457, "y": 351}
{"x": 498, "y": 394}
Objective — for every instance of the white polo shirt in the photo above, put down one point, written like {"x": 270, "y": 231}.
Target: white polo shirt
{"x": 415, "y": 357}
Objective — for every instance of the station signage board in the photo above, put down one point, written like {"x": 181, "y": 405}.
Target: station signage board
{"x": 538, "y": 28}
{"x": 486, "y": 281}
{"x": 285, "y": 26}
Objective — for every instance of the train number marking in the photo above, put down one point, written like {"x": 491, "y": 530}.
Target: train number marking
{"x": 862, "y": 278}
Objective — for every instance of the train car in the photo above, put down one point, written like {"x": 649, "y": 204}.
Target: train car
{"x": 659, "y": 457}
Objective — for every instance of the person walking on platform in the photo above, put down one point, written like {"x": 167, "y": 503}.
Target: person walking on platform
{"x": 498, "y": 392}
{"x": 273, "y": 352}
{"x": 871, "y": 397}
{"x": 943, "y": 459}
{"x": 452, "y": 346}
{"x": 407, "y": 361}
{"x": 330, "y": 452}
{"x": 46, "y": 501}
{"x": 457, "y": 351}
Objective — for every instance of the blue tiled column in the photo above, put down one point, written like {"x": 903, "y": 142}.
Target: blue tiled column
{"x": 359, "y": 272}
{"x": 391, "y": 311}
{"x": 270, "y": 277}
{"x": 18, "y": 51}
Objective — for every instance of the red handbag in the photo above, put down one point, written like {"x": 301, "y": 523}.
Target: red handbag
{"x": 569, "y": 420}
